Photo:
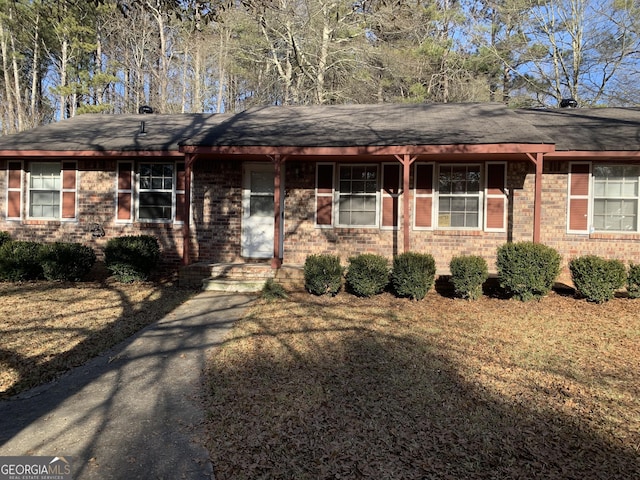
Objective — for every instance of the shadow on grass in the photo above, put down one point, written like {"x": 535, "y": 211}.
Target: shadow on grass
{"x": 34, "y": 370}
{"x": 302, "y": 401}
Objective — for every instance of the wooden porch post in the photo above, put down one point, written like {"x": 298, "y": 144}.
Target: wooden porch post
{"x": 406, "y": 161}
{"x": 537, "y": 210}
{"x": 538, "y": 161}
{"x": 186, "y": 226}
{"x": 276, "y": 262}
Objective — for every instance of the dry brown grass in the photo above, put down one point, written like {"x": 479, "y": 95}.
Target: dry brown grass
{"x": 48, "y": 327}
{"x": 385, "y": 388}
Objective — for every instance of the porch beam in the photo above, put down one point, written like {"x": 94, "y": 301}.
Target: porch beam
{"x": 538, "y": 161}
{"x": 401, "y": 150}
{"x": 406, "y": 160}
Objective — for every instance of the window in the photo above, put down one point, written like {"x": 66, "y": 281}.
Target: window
{"x": 150, "y": 192}
{"x": 358, "y": 195}
{"x": 459, "y": 196}
{"x": 155, "y": 200}
{"x": 45, "y": 183}
{"x": 615, "y": 198}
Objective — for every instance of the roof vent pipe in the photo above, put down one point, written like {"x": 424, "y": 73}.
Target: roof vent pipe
{"x": 568, "y": 103}
{"x": 145, "y": 109}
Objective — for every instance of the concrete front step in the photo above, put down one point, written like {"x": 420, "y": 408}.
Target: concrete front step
{"x": 239, "y": 277}
{"x": 229, "y": 285}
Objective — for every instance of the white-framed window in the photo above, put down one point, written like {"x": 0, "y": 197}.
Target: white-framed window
{"x": 615, "y": 198}
{"x": 150, "y": 192}
{"x": 156, "y": 182}
{"x": 358, "y": 196}
{"x": 459, "y": 196}
{"x": 45, "y": 190}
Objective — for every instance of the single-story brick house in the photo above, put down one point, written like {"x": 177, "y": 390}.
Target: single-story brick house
{"x": 280, "y": 183}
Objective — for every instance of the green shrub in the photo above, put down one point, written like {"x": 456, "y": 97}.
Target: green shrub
{"x": 633, "y": 281}
{"x": 597, "y": 279}
{"x": 20, "y": 260}
{"x": 413, "y": 274}
{"x": 323, "y": 274}
{"x": 66, "y": 261}
{"x": 468, "y": 273}
{"x": 4, "y": 238}
{"x": 527, "y": 270}
{"x": 272, "y": 290}
{"x": 132, "y": 257}
{"x": 367, "y": 275}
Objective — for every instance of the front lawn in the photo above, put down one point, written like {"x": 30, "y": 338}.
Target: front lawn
{"x": 386, "y": 388}
{"x": 47, "y": 328}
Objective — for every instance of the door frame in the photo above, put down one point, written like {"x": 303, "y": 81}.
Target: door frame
{"x": 247, "y": 168}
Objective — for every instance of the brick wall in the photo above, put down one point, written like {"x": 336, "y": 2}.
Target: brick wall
{"x": 303, "y": 238}
{"x": 96, "y": 206}
{"x": 217, "y": 213}
{"x": 624, "y": 247}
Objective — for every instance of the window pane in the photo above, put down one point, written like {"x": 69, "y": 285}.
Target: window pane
{"x": 363, "y": 218}
{"x": 457, "y": 219}
{"x": 261, "y": 206}
{"x": 155, "y": 205}
{"x": 458, "y": 204}
{"x": 262, "y": 182}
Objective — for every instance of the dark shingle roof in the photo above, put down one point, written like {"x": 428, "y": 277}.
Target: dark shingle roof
{"x": 371, "y": 125}
{"x": 96, "y": 132}
{"x": 341, "y": 126}
{"x": 588, "y": 129}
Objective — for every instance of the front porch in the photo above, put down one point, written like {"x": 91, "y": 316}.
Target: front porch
{"x": 239, "y": 276}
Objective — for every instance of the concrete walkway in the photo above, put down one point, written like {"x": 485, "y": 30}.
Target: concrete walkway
{"x": 132, "y": 413}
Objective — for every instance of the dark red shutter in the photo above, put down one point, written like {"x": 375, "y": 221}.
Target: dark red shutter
{"x": 69, "y": 189}
{"x": 14, "y": 190}
{"x": 579, "y": 181}
{"x": 496, "y": 197}
{"x": 423, "y": 195}
{"x": 390, "y": 194}
{"x": 324, "y": 194}
{"x": 125, "y": 191}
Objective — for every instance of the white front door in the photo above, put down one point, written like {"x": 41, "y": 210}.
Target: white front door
{"x": 257, "y": 211}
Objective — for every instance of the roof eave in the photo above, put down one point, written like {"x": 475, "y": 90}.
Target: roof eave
{"x": 90, "y": 153}
{"x": 501, "y": 148}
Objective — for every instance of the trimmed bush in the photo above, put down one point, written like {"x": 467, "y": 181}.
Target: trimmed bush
{"x": 527, "y": 270}
{"x": 597, "y": 279}
{"x": 132, "y": 257}
{"x": 20, "y": 260}
{"x": 323, "y": 274}
{"x": 413, "y": 274}
{"x": 272, "y": 290}
{"x": 4, "y": 238}
{"x": 468, "y": 273}
{"x": 367, "y": 275}
{"x": 633, "y": 281}
{"x": 66, "y": 261}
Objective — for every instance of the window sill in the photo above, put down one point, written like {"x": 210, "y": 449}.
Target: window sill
{"x": 458, "y": 233}
{"x": 614, "y": 236}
